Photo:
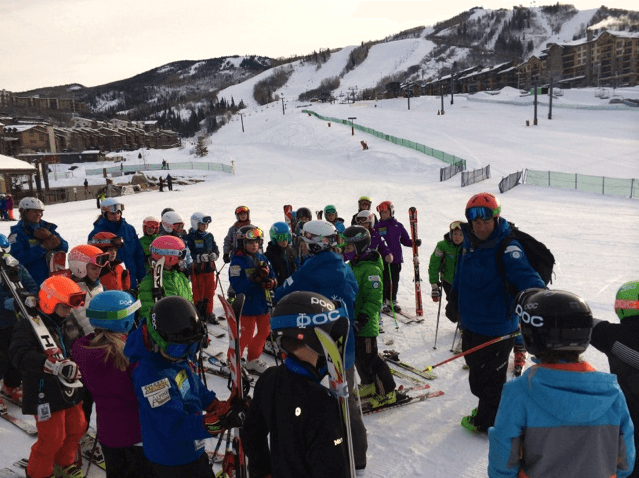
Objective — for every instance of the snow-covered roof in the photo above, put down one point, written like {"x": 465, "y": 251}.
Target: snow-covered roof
{"x": 7, "y": 163}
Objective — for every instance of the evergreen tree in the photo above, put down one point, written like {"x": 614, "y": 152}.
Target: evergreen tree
{"x": 200, "y": 148}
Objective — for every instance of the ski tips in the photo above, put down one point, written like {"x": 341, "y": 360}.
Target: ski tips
{"x": 428, "y": 369}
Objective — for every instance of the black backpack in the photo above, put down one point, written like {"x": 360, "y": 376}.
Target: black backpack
{"x": 538, "y": 255}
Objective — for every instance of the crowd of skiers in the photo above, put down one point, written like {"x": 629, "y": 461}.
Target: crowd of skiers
{"x": 132, "y": 344}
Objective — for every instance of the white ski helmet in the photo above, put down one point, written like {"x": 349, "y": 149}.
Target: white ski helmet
{"x": 111, "y": 205}
{"x": 170, "y": 219}
{"x": 30, "y": 203}
{"x": 198, "y": 218}
{"x": 365, "y": 217}
{"x": 319, "y": 235}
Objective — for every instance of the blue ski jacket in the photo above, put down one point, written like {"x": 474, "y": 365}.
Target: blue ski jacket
{"x": 242, "y": 268}
{"x": 326, "y": 273}
{"x": 562, "y": 420}
{"x": 28, "y": 250}
{"x": 486, "y": 307}
{"x": 131, "y": 253}
{"x": 171, "y": 400}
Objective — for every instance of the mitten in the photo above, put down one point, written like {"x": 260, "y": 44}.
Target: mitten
{"x": 435, "y": 294}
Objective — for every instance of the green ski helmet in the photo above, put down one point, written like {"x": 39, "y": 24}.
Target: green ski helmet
{"x": 627, "y": 300}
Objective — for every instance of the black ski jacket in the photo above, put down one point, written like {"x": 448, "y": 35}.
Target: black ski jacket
{"x": 27, "y": 355}
{"x": 283, "y": 261}
{"x": 303, "y": 419}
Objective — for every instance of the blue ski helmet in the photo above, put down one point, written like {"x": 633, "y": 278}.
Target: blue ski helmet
{"x": 113, "y": 310}
{"x": 280, "y": 232}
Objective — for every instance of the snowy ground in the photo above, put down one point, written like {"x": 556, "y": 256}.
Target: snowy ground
{"x": 296, "y": 159}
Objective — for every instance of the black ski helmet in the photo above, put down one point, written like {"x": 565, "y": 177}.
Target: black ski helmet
{"x": 303, "y": 212}
{"x": 553, "y": 320}
{"x": 299, "y": 313}
{"x": 359, "y": 237}
{"x": 242, "y": 232}
{"x": 174, "y": 320}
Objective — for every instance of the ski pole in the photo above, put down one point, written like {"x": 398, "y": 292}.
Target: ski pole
{"x": 474, "y": 349}
{"x": 95, "y": 444}
{"x": 439, "y": 309}
{"x": 217, "y": 280}
{"x": 452, "y": 347}
{"x": 390, "y": 282}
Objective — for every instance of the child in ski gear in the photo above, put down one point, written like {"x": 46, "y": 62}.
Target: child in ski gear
{"x": 9, "y": 207}
{"x": 366, "y": 218}
{"x": 58, "y": 409}
{"x": 280, "y": 253}
{"x": 12, "y": 378}
{"x": 172, "y": 399}
{"x": 251, "y": 274}
{"x": 302, "y": 216}
{"x": 330, "y": 214}
{"x": 483, "y": 306}
{"x": 364, "y": 203}
{"x": 86, "y": 263}
{"x": 151, "y": 229}
{"x": 394, "y": 234}
{"x": 173, "y": 225}
{"x": 242, "y": 218}
{"x": 377, "y": 383}
{"x": 204, "y": 252}
{"x": 174, "y": 282}
{"x": 325, "y": 273}
{"x": 443, "y": 261}
{"x": 113, "y": 275}
{"x": 562, "y": 418}
{"x": 293, "y": 428}
{"x": 131, "y": 252}
{"x": 33, "y": 239}
{"x": 106, "y": 374}
{"x": 620, "y": 342}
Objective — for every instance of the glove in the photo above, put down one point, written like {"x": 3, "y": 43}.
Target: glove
{"x": 64, "y": 368}
{"x": 389, "y": 258}
{"x": 203, "y": 258}
{"x": 360, "y": 323}
{"x": 452, "y": 313}
{"x": 52, "y": 243}
{"x": 269, "y": 284}
{"x": 261, "y": 272}
{"x": 435, "y": 294}
{"x": 417, "y": 242}
{"x": 213, "y": 257}
{"x": 226, "y": 258}
{"x": 42, "y": 233}
{"x": 225, "y": 415}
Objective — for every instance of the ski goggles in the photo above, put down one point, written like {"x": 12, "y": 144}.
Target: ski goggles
{"x": 479, "y": 212}
{"x": 281, "y": 237}
{"x": 114, "y": 314}
{"x": 179, "y": 253}
{"x": 178, "y": 226}
{"x": 181, "y": 350}
{"x": 105, "y": 243}
{"x": 205, "y": 220}
{"x": 254, "y": 234}
{"x": 100, "y": 260}
{"x": 74, "y": 300}
{"x": 455, "y": 225}
{"x": 152, "y": 224}
{"x": 113, "y": 208}
{"x": 363, "y": 220}
{"x": 330, "y": 210}
{"x": 241, "y": 209}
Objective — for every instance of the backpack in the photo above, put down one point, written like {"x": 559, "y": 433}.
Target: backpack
{"x": 538, "y": 255}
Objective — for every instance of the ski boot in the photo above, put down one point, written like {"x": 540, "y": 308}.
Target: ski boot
{"x": 364, "y": 391}
{"x": 71, "y": 471}
{"x": 386, "y": 307}
{"x": 520, "y": 360}
{"x": 14, "y": 394}
{"x": 256, "y": 366}
{"x": 396, "y": 306}
{"x": 468, "y": 424}
{"x": 390, "y": 398}
{"x": 212, "y": 319}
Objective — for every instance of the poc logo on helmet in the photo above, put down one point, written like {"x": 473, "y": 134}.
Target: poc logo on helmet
{"x": 526, "y": 318}
{"x": 323, "y": 303}
{"x": 304, "y": 320}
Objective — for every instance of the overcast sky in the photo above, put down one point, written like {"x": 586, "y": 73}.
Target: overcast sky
{"x": 92, "y": 42}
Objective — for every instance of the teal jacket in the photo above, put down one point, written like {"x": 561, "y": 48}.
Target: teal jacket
{"x": 368, "y": 273}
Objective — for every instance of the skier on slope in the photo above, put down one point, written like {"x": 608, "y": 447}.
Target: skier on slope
{"x": 484, "y": 306}
{"x": 131, "y": 252}
{"x": 394, "y": 235}
{"x": 251, "y": 274}
{"x": 620, "y": 342}
{"x": 562, "y": 418}
{"x": 242, "y": 218}
{"x": 32, "y": 239}
{"x": 326, "y": 273}
{"x": 177, "y": 412}
{"x": 378, "y": 385}
{"x": 174, "y": 282}
{"x": 204, "y": 252}
{"x": 106, "y": 375}
{"x": 60, "y": 420}
{"x": 293, "y": 428}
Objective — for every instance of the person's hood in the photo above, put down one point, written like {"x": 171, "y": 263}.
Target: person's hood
{"x": 543, "y": 384}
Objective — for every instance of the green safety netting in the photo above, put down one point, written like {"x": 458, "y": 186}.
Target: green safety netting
{"x": 583, "y": 182}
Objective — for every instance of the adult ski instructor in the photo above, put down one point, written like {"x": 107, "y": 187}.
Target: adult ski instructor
{"x": 484, "y": 305}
